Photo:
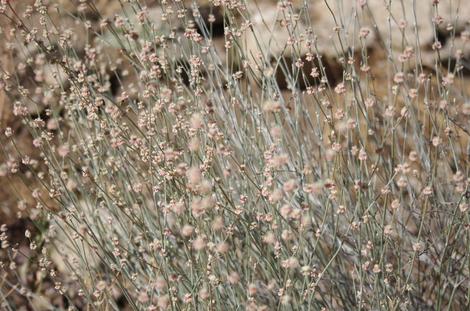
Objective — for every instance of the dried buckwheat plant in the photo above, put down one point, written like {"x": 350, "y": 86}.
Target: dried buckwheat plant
{"x": 235, "y": 154}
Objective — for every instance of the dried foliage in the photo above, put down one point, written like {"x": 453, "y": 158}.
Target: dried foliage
{"x": 230, "y": 154}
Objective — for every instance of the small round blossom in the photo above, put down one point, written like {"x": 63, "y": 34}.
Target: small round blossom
{"x": 340, "y": 89}
{"x": 8, "y": 132}
{"x": 362, "y": 155}
{"x": 418, "y": 247}
{"x": 233, "y": 277}
{"x": 187, "y": 230}
{"x": 399, "y": 77}
{"x": 291, "y": 263}
{"x": 199, "y": 243}
{"x": 364, "y": 32}
{"x": 290, "y": 185}
{"x": 196, "y": 121}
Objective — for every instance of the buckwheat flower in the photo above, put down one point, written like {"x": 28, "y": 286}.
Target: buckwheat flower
{"x": 412, "y": 93}
{"x": 330, "y": 154}
{"x": 194, "y": 144}
{"x": 438, "y": 20}
{"x": 187, "y": 230}
{"x": 8, "y": 132}
{"x": 336, "y": 147}
{"x": 218, "y": 224}
{"x": 448, "y": 131}
{"x": 362, "y": 155}
{"x": 339, "y": 114}
{"x": 448, "y": 79}
{"x": 118, "y": 21}
{"x": 222, "y": 247}
{"x": 159, "y": 284}
{"x": 436, "y": 141}
{"x": 276, "y": 132}
{"x": 388, "y": 230}
{"x": 143, "y": 298}
{"x": 233, "y": 278}
{"x": 427, "y": 190}
{"x": 418, "y": 247}
{"x": 286, "y": 299}
{"x": 306, "y": 270}
{"x": 138, "y": 187}
{"x": 458, "y": 177}
{"x": 402, "y": 24}
{"x": 365, "y": 68}
{"x": 313, "y": 188}
{"x": 376, "y": 269}
{"x": 465, "y": 35}
{"x": 437, "y": 45}
{"x": 52, "y": 124}
{"x": 290, "y": 263}
{"x": 26, "y": 160}
{"x": 404, "y": 112}
{"x": 170, "y": 154}
{"x": 287, "y": 235}
{"x": 443, "y": 104}
{"x": 205, "y": 187}
{"x": 22, "y": 205}
{"x": 395, "y": 204}
{"x": 402, "y": 58}
{"x": 188, "y": 298}
{"x": 366, "y": 265}
{"x": 208, "y": 202}
{"x": 63, "y": 150}
{"x": 252, "y": 289}
{"x": 196, "y": 122}
{"x": 194, "y": 175}
{"x": 37, "y": 142}
{"x": 315, "y": 73}
{"x": 399, "y": 77}
{"x": 5, "y": 245}
{"x": 351, "y": 123}
{"x": 197, "y": 208}
{"x": 402, "y": 183}
{"x": 199, "y": 243}
{"x": 269, "y": 238}
{"x": 340, "y": 88}
{"x": 177, "y": 208}
{"x": 296, "y": 213}
{"x": 289, "y": 185}
{"x": 370, "y": 102}
{"x": 364, "y": 32}
{"x": 422, "y": 78}
{"x": 204, "y": 293}
{"x": 341, "y": 210}
{"x": 326, "y": 103}
{"x": 285, "y": 210}
{"x": 163, "y": 302}
{"x": 276, "y": 196}
{"x": 36, "y": 193}
{"x": 299, "y": 63}
{"x": 279, "y": 160}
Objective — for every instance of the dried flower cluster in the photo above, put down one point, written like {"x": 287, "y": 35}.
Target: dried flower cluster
{"x": 183, "y": 157}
